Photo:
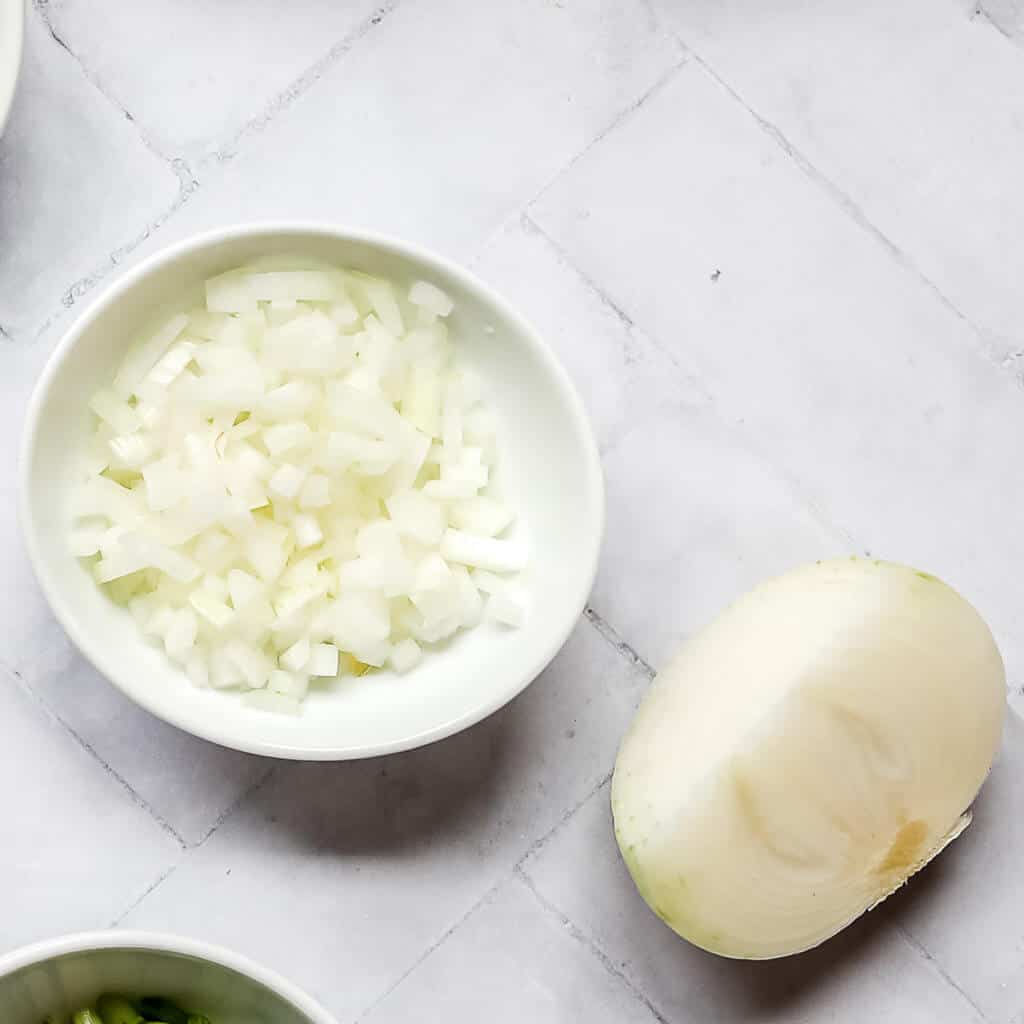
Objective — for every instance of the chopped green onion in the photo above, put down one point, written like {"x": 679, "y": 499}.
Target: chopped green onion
{"x": 116, "y": 1009}
{"x": 156, "y": 1008}
{"x": 86, "y": 1017}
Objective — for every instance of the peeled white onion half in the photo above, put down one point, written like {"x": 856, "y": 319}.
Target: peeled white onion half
{"x": 806, "y": 753}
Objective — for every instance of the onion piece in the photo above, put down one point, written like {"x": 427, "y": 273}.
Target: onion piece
{"x": 483, "y": 552}
{"x": 806, "y": 753}
{"x": 287, "y": 480}
{"x": 285, "y": 437}
{"x": 406, "y": 655}
{"x": 431, "y": 298}
{"x": 506, "y": 608}
{"x": 323, "y": 660}
{"x": 481, "y": 515}
{"x": 142, "y": 359}
{"x": 296, "y": 657}
{"x": 214, "y": 610}
{"x": 288, "y": 684}
{"x": 113, "y": 410}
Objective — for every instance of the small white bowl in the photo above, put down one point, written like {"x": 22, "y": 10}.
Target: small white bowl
{"x": 53, "y": 979}
{"x": 549, "y": 461}
{"x": 12, "y": 25}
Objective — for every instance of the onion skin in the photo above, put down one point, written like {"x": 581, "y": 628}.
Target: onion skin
{"x": 806, "y": 753}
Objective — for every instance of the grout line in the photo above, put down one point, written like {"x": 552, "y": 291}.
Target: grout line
{"x": 189, "y": 179}
{"x": 536, "y": 845}
{"x": 301, "y": 85}
{"x": 485, "y": 898}
{"x": 851, "y": 208}
{"x": 532, "y": 227}
{"x": 823, "y": 520}
{"x": 940, "y": 970}
{"x": 155, "y": 884}
{"x": 91, "y": 750}
{"x": 841, "y": 198}
{"x": 589, "y": 944}
{"x": 612, "y": 637}
{"x": 541, "y": 841}
{"x": 979, "y": 11}
{"x": 617, "y": 120}
{"x": 665, "y": 30}
{"x": 691, "y": 377}
{"x": 142, "y": 803}
{"x": 810, "y": 504}
{"x": 84, "y": 285}
{"x": 242, "y": 798}
{"x": 42, "y": 8}
{"x": 227, "y": 813}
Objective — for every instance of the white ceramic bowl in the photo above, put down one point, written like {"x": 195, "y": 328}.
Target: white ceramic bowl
{"x": 12, "y": 18}
{"x": 548, "y": 458}
{"x": 53, "y": 979}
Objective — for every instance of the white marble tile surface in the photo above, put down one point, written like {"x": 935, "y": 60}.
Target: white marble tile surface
{"x": 1006, "y": 15}
{"x": 547, "y": 976}
{"x": 869, "y": 397}
{"x": 78, "y": 185}
{"x": 389, "y": 135}
{"x": 909, "y": 114}
{"x": 77, "y": 847}
{"x": 194, "y": 75}
{"x": 778, "y": 247}
{"x": 373, "y": 862}
{"x": 965, "y": 911}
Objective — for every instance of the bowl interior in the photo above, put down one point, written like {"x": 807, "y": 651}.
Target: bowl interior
{"x": 56, "y": 987}
{"x": 549, "y": 470}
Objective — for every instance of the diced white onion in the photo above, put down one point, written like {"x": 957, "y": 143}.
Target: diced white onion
{"x": 293, "y": 473}
{"x": 315, "y": 492}
{"x": 421, "y": 402}
{"x": 431, "y": 298}
{"x": 243, "y": 588}
{"x": 483, "y": 552}
{"x": 507, "y": 606}
{"x": 287, "y": 480}
{"x": 297, "y": 656}
{"x": 288, "y": 684}
{"x": 253, "y": 663}
{"x": 416, "y": 516}
{"x": 142, "y": 359}
{"x": 382, "y": 299}
{"x": 181, "y": 634}
{"x": 115, "y": 411}
{"x": 307, "y": 531}
{"x": 285, "y": 436}
{"x": 323, "y": 660}
{"x": 481, "y": 515}
{"x": 197, "y": 669}
{"x": 406, "y": 655}
{"x": 215, "y": 611}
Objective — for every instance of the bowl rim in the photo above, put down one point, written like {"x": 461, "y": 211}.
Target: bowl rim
{"x": 13, "y": 49}
{"x": 163, "y": 942}
{"x": 212, "y": 729}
